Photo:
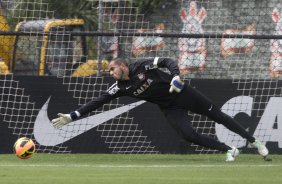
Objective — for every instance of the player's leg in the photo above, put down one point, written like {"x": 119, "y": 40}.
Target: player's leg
{"x": 203, "y": 105}
{"x": 217, "y": 115}
{"x": 179, "y": 120}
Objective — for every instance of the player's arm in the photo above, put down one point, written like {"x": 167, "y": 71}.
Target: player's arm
{"x": 168, "y": 63}
{"x": 176, "y": 83}
{"x": 64, "y": 119}
{"x": 94, "y": 104}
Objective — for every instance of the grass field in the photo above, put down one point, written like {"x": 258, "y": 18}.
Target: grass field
{"x": 139, "y": 169}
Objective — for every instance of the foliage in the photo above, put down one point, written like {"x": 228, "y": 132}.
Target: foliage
{"x": 147, "y": 6}
{"x": 25, "y": 10}
{"x": 65, "y": 9}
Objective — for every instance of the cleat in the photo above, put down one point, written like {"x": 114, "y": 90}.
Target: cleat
{"x": 262, "y": 150}
{"x": 231, "y": 154}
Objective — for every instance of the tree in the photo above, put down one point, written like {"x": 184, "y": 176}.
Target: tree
{"x": 82, "y": 9}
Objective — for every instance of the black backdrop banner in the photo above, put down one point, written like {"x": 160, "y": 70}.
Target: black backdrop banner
{"x": 148, "y": 117}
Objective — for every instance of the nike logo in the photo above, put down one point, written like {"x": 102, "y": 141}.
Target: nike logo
{"x": 210, "y": 108}
{"x": 46, "y": 134}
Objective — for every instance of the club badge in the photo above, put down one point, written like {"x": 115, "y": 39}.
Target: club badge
{"x": 141, "y": 76}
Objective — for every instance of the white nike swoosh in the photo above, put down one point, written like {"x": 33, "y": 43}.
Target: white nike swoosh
{"x": 46, "y": 134}
{"x": 210, "y": 108}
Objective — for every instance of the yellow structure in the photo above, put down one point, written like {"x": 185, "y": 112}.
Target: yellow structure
{"x": 6, "y": 45}
{"x": 52, "y": 52}
{"x": 90, "y": 68}
{"x": 4, "y": 68}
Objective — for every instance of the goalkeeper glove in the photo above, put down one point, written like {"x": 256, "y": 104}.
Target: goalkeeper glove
{"x": 64, "y": 119}
{"x": 176, "y": 84}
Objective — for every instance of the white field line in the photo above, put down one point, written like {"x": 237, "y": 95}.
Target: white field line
{"x": 135, "y": 166}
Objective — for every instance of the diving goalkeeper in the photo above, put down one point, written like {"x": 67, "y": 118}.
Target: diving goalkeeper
{"x": 144, "y": 80}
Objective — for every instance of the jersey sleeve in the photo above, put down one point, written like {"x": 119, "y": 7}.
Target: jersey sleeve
{"x": 159, "y": 62}
{"x": 168, "y": 63}
{"x": 112, "y": 93}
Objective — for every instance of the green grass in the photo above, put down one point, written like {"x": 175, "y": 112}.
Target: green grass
{"x": 139, "y": 169}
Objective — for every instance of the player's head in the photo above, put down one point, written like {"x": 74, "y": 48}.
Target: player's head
{"x": 118, "y": 68}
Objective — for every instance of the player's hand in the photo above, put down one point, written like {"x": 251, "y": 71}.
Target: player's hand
{"x": 176, "y": 84}
{"x": 62, "y": 120}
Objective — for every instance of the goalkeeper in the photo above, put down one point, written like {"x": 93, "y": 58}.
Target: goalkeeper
{"x": 144, "y": 80}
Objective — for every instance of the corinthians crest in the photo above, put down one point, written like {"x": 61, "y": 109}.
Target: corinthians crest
{"x": 141, "y": 76}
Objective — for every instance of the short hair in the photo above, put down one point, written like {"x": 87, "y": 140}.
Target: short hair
{"x": 120, "y": 61}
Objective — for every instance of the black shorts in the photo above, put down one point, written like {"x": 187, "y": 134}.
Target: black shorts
{"x": 193, "y": 100}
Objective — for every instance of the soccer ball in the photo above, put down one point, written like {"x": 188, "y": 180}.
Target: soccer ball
{"x": 24, "y": 148}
